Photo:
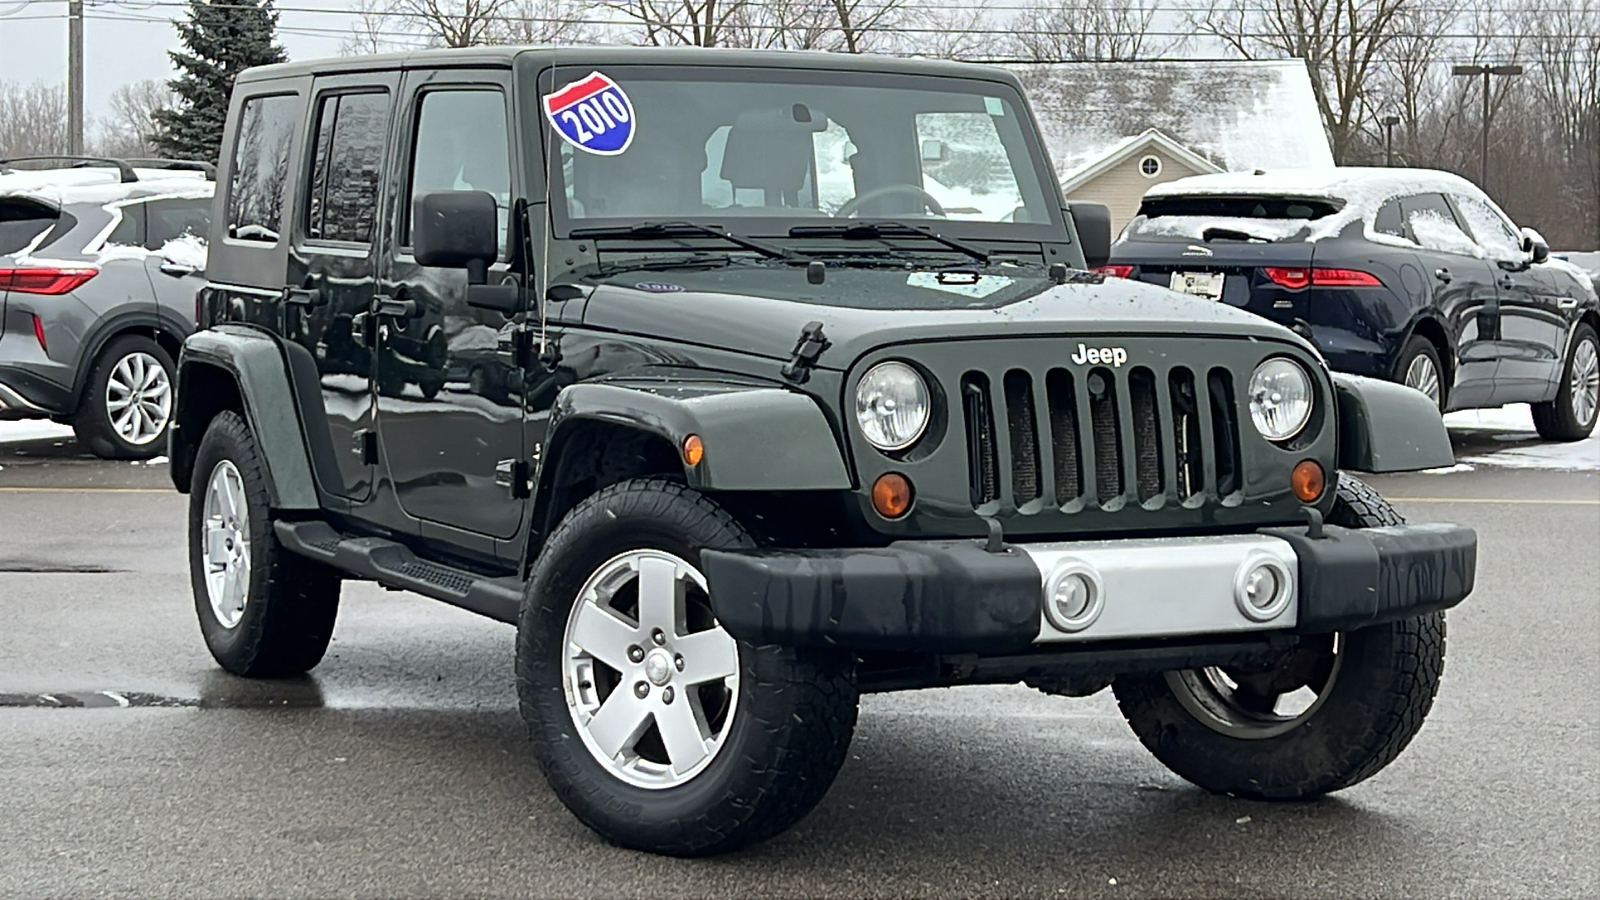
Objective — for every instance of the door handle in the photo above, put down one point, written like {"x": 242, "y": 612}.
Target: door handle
{"x": 176, "y": 269}
{"x": 399, "y": 307}
{"x": 1566, "y": 303}
{"x": 1442, "y": 274}
{"x": 306, "y": 296}
{"x": 1507, "y": 282}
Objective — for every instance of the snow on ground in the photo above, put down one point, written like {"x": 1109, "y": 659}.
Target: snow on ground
{"x": 32, "y": 430}
{"x": 1513, "y": 425}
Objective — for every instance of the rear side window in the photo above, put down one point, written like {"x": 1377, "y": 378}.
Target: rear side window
{"x": 130, "y": 227}
{"x": 462, "y": 145}
{"x": 260, "y": 166}
{"x": 1434, "y": 226}
{"x": 168, "y": 220}
{"x": 1390, "y": 220}
{"x": 342, "y": 202}
{"x": 21, "y": 221}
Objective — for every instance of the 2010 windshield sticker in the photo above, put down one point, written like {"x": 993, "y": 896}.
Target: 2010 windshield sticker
{"x": 593, "y": 114}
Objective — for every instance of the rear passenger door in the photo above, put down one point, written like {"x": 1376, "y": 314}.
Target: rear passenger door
{"x": 1464, "y": 292}
{"x": 449, "y": 398}
{"x": 327, "y": 306}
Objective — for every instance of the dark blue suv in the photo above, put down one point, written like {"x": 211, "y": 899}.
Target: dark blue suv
{"x": 1410, "y": 275}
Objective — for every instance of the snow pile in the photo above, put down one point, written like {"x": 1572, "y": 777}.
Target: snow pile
{"x": 1513, "y": 424}
{"x": 186, "y": 250}
{"x": 32, "y": 430}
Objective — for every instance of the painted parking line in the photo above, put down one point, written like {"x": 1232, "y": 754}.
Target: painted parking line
{"x": 84, "y": 490}
{"x": 1526, "y": 501}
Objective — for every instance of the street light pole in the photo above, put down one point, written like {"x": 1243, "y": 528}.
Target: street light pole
{"x": 75, "y": 77}
{"x": 1389, "y": 122}
{"x": 1485, "y": 71}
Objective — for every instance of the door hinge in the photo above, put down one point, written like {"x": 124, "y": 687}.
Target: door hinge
{"x": 550, "y": 353}
{"x": 806, "y": 350}
{"x": 364, "y": 443}
{"x": 522, "y": 356}
{"x": 514, "y": 474}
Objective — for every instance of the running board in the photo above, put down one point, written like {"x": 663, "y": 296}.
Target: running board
{"x": 393, "y": 565}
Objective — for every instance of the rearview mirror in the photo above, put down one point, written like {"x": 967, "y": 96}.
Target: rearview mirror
{"x": 1092, "y": 222}
{"x": 457, "y": 230}
{"x": 935, "y": 151}
{"x": 1534, "y": 245}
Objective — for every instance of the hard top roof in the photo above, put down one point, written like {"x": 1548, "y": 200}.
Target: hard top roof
{"x": 615, "y": 55}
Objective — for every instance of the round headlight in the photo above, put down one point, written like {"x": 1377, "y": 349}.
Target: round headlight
{"x": 1280, "y": 399}
{"x": 892, "y": 406}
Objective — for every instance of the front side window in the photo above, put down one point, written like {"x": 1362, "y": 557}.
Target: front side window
{"x": 342, "y": 201}
{"x": 1434, "y": 225}
{"x": 1491, "y": 228}
{"x": 776, "y": 149}
{"x": 261, "y": 154}
{"x": 462, "y": 144}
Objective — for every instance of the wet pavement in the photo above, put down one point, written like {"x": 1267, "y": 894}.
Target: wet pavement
{"x": 131, "y": 766}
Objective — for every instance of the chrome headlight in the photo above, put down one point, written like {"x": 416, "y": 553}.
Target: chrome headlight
{"x": 892, "y": 406}
{"x": 1280, "y": 399}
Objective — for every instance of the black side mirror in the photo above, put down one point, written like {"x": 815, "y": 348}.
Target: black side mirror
{"x": 1533, "y": 244}
{"x": 1092, "y": 221}
{"x": 456, "y": 230}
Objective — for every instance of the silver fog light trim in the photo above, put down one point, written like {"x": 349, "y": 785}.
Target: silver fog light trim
{"x": 1264, "y": 587}
{"x": 1074, "y": 597}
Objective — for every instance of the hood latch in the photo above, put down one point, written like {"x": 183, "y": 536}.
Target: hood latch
{"x": 806, "y": 350}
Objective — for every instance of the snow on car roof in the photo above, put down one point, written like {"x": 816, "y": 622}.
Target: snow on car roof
{"x": 99, "y": 185}
{"x": 1353, "y": 185}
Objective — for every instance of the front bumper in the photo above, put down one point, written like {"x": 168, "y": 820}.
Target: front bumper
{"x": 957, "y": 597}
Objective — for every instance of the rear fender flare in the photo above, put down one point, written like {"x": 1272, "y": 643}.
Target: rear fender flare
{"x": 255, "y": 363}
{"x": 1387, "y": 427}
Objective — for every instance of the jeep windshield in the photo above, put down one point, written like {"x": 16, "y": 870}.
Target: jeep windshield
{"x": 765, "y": 152}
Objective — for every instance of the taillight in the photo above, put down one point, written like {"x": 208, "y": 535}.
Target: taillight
{"x": 1115, "y": 270}
{"x": 45, "y": 279}
{"x": 1295, "y": 279}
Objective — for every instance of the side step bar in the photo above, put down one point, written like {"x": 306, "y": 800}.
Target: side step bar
{"x": 395, "y": 566}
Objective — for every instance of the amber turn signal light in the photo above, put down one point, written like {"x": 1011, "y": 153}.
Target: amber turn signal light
{"x": 1308, "y": 480}
{"x": 694, "y": 450}
{"x": 891, "y": 495}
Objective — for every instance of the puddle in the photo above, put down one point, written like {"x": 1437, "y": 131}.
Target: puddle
{"x": 217, "y": 691}
{"x": 55, "y": 568}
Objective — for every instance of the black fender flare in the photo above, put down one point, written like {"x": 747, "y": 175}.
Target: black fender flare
{"x": 255, "y": 363}
{"x": 1387, "y": 427}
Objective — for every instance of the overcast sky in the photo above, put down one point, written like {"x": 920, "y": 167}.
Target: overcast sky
{"x": 128, "y": 40}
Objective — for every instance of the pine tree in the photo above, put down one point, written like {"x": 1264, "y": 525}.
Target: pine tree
{"x": 221, "y": 39}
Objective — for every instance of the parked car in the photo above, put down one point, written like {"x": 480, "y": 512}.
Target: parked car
{"x": 100, "y": 264}
{"x": 1407, "y": 274}
{"x": 735, "y": 420}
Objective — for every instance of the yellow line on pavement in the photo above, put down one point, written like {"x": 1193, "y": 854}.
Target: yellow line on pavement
{"x": 1530, "y": 501}
{"x": 84, "y": 490}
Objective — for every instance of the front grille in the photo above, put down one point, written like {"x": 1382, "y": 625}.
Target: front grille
{"x": 1111, "y": 437}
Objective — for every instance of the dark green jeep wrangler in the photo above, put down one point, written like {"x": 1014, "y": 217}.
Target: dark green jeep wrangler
{"x": 742, "y": 383}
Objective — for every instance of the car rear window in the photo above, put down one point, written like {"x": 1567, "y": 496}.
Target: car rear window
{"x": 1239, "y": 207}
{"x": 21, "y": 221}
{"x": 1208, "y": 218}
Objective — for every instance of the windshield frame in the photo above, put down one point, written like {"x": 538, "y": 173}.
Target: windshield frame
{"x": 774, "y": 228}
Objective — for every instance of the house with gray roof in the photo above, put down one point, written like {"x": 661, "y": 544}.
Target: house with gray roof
{"x": 1115, "y": 129}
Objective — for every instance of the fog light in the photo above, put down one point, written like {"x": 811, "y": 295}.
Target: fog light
{"x": 1263, "y": 589}
{"x": 891, "y": 495}
{"x": 1073, "y": 598}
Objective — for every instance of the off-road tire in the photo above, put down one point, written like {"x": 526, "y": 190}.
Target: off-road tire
{"x": 795, "y": 713}
{"x": 1417, "y": 346}
{"x": 1383, "y": 690}
{"x": 292, "y": 601}
{"x": 92, "y": 424}
{"x": 1557, "y": 420}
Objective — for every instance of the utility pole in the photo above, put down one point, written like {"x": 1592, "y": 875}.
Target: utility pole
{"x": 75, "y": 77}
{"x": 1389, "y": 122}
{"x": 1483, "y": 126}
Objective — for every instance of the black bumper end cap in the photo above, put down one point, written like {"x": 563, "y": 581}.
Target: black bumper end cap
{"x": 923, "y": 596}
{"x": 1351, "y": 578}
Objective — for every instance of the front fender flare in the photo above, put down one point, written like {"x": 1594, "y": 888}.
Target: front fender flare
{"x": 1387, "y": 427}
{"x": 757, "y": 437}
{"x": 256, "y": 363}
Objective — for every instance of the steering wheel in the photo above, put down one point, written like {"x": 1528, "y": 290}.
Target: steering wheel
{"x": 854, "y": 203}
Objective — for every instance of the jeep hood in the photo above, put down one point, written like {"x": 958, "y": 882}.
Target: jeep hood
{"x": 761, "y": 309}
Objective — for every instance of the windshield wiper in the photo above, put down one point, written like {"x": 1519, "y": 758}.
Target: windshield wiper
{"x": 1230, "y": 234}
{"x": 869, "y": 230}
{"x": 683, "y": 229}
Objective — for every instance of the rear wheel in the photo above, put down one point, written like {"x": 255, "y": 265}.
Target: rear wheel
{"x": 127, "y": 405}
{"x": 1333, "y": 712}
{"x": 1418, "y": 367}
{"x": 1571, "y": 416}
{"x": 656, "y": 727}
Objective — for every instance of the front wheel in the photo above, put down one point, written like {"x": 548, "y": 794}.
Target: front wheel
{"x": 1333, "y": 712}
{"x": 1571, "y": 416}
{"x": 656, "y": 727}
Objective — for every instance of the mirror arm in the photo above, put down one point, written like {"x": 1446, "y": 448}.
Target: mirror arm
{"x": 477, "y": 271}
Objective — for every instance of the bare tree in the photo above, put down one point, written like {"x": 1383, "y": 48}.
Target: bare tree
{"x": 696, "y": 23}
{"x": 1565, "y": 54}
{"x": 954, "y": 33}
{"x": 1341, "y": 41}
{"x": 33, "y": 119}
{"x": 542, "y": 22}
{"x": 129, "y": 128}
{"x": 390, "y": 24}
{"x": 1082, "y": 30}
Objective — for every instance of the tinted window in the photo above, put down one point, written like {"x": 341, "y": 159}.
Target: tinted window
{"x": 1389, "y": 220}
{"x": 21, "y": 221}
{"x": 1238, "y": 207}
{"x": 168, "y": 220}
{"x": 1434, "y": 226}
{"x": 342, "y": 204}
{"x": 260, "y": 167}
{"x": 130, "y": 228}
{"x": 462, "y": 145}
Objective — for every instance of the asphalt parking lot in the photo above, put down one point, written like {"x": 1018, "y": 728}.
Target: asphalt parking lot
{"x": 131, "y": 766}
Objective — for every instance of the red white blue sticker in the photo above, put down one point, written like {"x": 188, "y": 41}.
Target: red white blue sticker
{"x": 593, "y": 114}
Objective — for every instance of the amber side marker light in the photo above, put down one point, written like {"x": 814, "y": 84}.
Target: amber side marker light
{"x": 1308, "y": 480}
{"x": 891, "y": 495}
{"x": 694, "y": 450}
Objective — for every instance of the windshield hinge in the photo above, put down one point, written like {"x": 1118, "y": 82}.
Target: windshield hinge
{"x": 806, "y": 350}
